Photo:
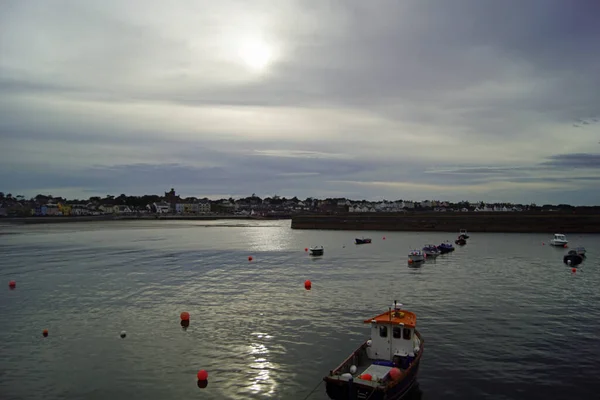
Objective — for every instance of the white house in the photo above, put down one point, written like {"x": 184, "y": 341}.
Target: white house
{"x": 162, "y": 207}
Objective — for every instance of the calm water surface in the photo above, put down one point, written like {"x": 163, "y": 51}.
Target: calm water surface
{"x": 502, "y": 317}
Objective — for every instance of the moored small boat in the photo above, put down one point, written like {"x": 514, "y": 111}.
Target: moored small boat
{"x": 431, "y": 251}
{"x": 416, "y": 256}
{"x": 362, "y": 241}
{"x": 446, "y": 247}
{"x": 559, "y": 240}
{"x": 460, "y": 241}
{"x": 316, "y": 251}
{"x": 572, "y": 258}
{"x": 463, "y": 233}
{"x": 385, "y": 366}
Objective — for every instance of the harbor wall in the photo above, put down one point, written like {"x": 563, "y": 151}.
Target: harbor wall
{"x": 518, "y": 222}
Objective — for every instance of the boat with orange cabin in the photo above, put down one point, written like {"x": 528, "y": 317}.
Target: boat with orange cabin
{"x": 384, "y": 367}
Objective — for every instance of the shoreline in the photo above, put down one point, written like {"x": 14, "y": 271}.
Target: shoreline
{"x": 493, "y": 222}
{"x": 105, "y": 218}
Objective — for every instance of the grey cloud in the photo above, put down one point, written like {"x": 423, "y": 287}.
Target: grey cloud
{"x": 577, "y": 160}
{"x": 503, "y": 73}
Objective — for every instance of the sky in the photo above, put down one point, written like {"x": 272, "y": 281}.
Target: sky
{"x": 475, "y": 100}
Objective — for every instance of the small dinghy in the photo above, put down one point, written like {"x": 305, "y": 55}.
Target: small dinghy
{"x": 316, "y": 251}
{"x": 460, "y": 241}
{"x": 572, "y": 258}
{"x": 446, "y": 247}
{"x": 431, "y": 251}
{"x": 362, "y": 241}
{"x": 463, "y": 233}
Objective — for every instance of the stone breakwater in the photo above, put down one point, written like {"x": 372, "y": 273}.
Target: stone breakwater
{"x": 517, "y": 222}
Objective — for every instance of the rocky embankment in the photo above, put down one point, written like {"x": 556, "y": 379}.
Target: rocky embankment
{"x": 518, "y": 222}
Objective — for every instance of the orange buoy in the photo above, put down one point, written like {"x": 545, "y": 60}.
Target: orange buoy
{"x": 185, "y": 316}
{"x": 395, "y": 373}
{"x": 45, "y": 332}
{"x": 12, "y": 284}
{"x": 306, "y": 249}
{"x": 250, "y": 258}
{"x": 307, "y": 284}
{"x": 202, "y": 375}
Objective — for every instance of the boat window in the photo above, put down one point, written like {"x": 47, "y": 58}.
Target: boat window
{"x": 406, "y": 333}
{"x": 383, "y": 331}
{"x": 397, "y": 332}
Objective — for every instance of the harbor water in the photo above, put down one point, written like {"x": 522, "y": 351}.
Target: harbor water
{"x": 502, "y": 317}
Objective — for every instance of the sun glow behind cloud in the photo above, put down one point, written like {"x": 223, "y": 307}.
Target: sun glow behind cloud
{"x": 263, "y": 97}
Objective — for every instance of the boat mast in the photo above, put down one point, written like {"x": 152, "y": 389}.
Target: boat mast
{"x": 391, "y": 334}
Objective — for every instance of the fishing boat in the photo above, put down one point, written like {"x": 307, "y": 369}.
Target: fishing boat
{"x": 573, "y": 258}
{"x": 316, "y": 251}
{"x": 446, "y": 247}
{"x": 559, "y": 240}
{"x": 431, "y": 251}
{"x": 362, "y": 241}
{"x": 416, "y": 256}
{"x": 463, "y": 233}
{"x": 384, "y": 367}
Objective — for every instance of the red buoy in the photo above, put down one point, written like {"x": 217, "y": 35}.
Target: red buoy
{"x": 395, "y": 374}
{"x": 185, "y": 316}
{"x": 250, "y": 258}
{"x": 12, "y": 284}
{"x": 306, "y": 249}
{"x": 202, "y": 375}
{"x": 45, "y": 332}
{"x": 307, "y": 284}
{"x": 366, "y": 377}
{"x": 565, "y": 246}
{"x": 574, "y": 270}
{"x": 384, "y": 238}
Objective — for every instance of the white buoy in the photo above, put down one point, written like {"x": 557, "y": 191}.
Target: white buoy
{"x": 123, "y": 334}
{"x": 346, "y": 376}
{"x": 369, "y": 342}
{"x": 353, "y": 369}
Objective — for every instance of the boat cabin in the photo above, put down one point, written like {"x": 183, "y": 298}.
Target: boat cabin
{"x": 560, "y": 237}
{"x": 393, "y": 336}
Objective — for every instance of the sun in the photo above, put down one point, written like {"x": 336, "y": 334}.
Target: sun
{"x": 256, "y": 54}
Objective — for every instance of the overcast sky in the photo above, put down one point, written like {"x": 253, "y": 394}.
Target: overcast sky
{"x": 450, "y": 100}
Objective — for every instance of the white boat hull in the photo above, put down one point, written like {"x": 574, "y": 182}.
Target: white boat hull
{"x": 560, "y": 243}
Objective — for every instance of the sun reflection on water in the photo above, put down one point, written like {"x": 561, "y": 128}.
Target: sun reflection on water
{"x": 261, "y": 367}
